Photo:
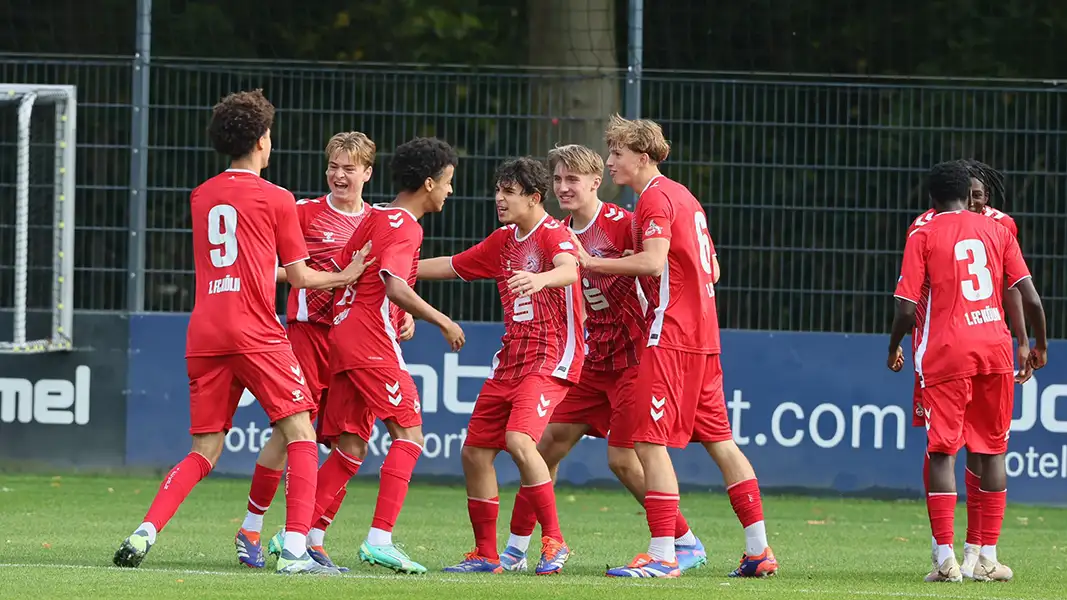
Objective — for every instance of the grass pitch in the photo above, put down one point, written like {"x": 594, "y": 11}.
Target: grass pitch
{"x": 58, "y": 534}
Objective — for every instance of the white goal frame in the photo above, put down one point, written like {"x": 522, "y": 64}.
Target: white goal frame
{"x": 64, "y": 99}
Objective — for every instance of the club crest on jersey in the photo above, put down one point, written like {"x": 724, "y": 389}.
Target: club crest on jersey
{"x": 532, "y": 264}
{"x": 653, "y": 229}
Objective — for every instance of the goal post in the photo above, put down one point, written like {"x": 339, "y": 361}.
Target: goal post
{"x": 63, "y": 100}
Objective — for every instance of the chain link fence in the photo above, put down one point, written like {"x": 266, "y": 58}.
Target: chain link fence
{"x": 809, "y": 183}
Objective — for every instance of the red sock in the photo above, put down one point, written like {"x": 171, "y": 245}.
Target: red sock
{"x": 396, "y": 475}
{"x": 484, "y": 513}
{"x": 542, "y": 498}
{"x": 327, "y": 517}
{"x": 926, "y": 473}
{"x": 333, "y": 477}
{"x": 992, "y": 504}
{"x": 175, "y": 487}
{"x": 974, "y": 508}
{"x": 523, "y": 517}
{"x": 745, "y": 498}
{"x": 661, "y": 510}
{"x": 942, "y": 509}
{"x": 681, "y": 526}
{"x": 264, "y": 486}
{"x": 303, "y": 458}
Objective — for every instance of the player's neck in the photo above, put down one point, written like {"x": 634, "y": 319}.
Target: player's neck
{"x": 580, "y": 217}
{"x": 951, "y": 207}
{"x": 525, "y": 226}
{"x": 410, "y": 203}
{"x": 353, "y": 205}
{"x": 248, "y": 163}
{"x": 643, "y": 178}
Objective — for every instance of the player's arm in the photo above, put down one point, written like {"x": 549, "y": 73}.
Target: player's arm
{"x": 1018, "y": 275}
{"x": 564, "y": 272}
{"x": 436, "y": 269}
{"x": 299, "y": 275}
{"x": 1034, "y": 311}
{"x": 1013, "y": 306}
{"x": 912, "y": 276}
{"x": 649, "y": 261}
{"x": 715, "y": 273}
{"x": 281, "y": 276}
{"x": 401, "y": 294}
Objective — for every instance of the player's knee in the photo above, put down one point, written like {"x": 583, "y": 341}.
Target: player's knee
{"x": 475, "y": 459}
{"x": 624, "y": 464}
{"x": 296, "y": 428}
{"x": 410, "y": 434}
{"x": 352, "y": 445}
{"x": 521, "y": 447}
{"x": 209, "y": 445}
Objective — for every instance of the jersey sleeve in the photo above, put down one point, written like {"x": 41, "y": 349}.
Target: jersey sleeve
{"x": 1015, "y": 269}
{"x": 481, "y": 261}
{"x": 288, "y": 234}
{"x": 654, "y": 215}
{"x": 913, "y": 270}
{"x": 555, "y": 241}
{"x": 399, "y": 247}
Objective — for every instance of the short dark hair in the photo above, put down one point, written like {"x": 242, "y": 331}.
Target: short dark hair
{"x": 992, "y": 179}
{"x": 238, "y": 121}
{"x": 948, "y": 182}
{"x": 419, "y": 158}
{"x": 527, "y": 172}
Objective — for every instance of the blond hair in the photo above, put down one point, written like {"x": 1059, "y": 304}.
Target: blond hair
{"x": 640, "y": 135}
{"x": 360, "y": 148}
{"x": 576, "y": 159}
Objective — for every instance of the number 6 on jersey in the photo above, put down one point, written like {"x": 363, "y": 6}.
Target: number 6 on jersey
{"x": 222, "y": 231}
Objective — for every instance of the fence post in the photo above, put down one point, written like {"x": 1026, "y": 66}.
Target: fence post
{"x": 135, "y": 284}
{"x": 635, "y": 56}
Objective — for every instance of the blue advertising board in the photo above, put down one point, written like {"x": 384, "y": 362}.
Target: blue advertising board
{"x": 811, "y": 410}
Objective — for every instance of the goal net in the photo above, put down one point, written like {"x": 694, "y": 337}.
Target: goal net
{"x": 37, "y": 138}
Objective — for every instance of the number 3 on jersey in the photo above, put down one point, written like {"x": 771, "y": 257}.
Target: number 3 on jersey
{"x": 700, "y": 222}
{"x": 222, "y": 231}
{"x": 981, "y": 287}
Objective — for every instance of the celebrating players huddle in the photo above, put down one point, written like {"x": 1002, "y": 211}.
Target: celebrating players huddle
{"x": 611, "y": 331}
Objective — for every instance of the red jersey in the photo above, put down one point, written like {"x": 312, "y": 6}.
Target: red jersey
{"x": 543, "y": 332}
{"x": 684, "y": 317}
{"x": 326, "y": 231}
{"x": 615, "y": 307}
{"x": 966, "y": 258}
{"x": 242, "y": 225}
{"x": 920, "y": 308}
{"x": 364, "y": 334}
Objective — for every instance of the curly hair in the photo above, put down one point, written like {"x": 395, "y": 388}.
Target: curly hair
{"x": 948, "y": 182}
{"x": 418, "y": 159}
{"x": 992, "y": 179}
{"x": 238, "y": 121}
{"x": 526, "y": 172}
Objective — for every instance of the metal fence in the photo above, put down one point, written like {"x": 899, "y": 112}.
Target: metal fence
{"x": 809, "y": 183}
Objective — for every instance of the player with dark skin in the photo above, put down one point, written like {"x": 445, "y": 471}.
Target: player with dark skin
{"x": 992, "y": 467}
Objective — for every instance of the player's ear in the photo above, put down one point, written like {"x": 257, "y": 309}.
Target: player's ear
{"x": 367, "y": 174}
{"x": 428, "y": 184}
{"x": 596, "y": 182}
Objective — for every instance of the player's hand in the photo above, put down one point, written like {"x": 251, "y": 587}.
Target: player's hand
{"x": 896, "y": 360}
{"x": 359, "y": 264}
{"x": 454, "y": 335}
{"x": 525, "y": 284}
{"x": 407, "y": 328}
{"x": 1025, "y": 371}
{"x": 1038, "y": 357}
{"x": 583, "y": 256}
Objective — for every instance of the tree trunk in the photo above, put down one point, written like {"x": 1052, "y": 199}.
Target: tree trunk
{"x": 576, "y": 89}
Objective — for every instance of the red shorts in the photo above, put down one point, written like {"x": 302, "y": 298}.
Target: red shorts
{"x": 918, "y": 418}
{"x": 311, "y": 346}
{"x": 359, "y": 396}
{"x": 973, "y": 411}
{"x": 604, "y": 401}
{"x": 522, "y": 405}
{"x": 216, "y": 384}
{"x": 679, "y": 399}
